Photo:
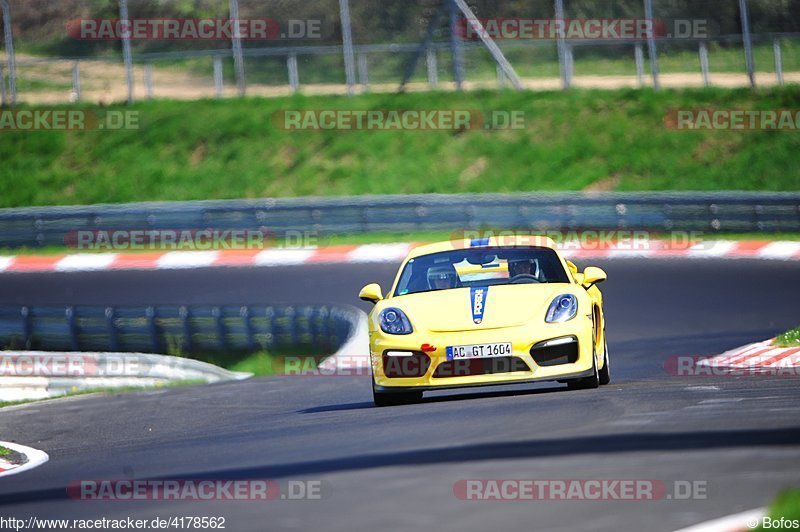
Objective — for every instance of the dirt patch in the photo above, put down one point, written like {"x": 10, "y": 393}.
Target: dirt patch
{"x": 606, "y": 184}
{"x": 104, "y": 82}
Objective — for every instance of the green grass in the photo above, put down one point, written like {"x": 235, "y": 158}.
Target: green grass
{"x": 231, "y": 149}
{"x": 4, "y": 451}
{"x": 787, "y": 506}
{"x": 789, "y": 338}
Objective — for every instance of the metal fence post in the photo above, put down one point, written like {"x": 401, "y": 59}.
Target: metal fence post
{"x": 347, "y": 45}
{"x": 776, "y": 50}
{"x": 562, "y": 58}
{"x": 236, "y": 44}
{"x": 2, "y": 86}
{"x": 184, "y": 313}
{"x": 704, "y": 62}
{"x": 294, "y": 77}
{"x": 651, "y": 42}
{"x": 472, "y": 21}
{"x": 73, "y": 329}
{"x": 218, "y": 80}
{"x": 455, "y": 47}
{"x": 27, "y": 326}
{"x": 269, "y": 327}
{"x": 244, "y": 312}
{"x": 12, "y": 62}
{"x": 433, "y": 68}
{"x": 126, "y": 46}
{"x": 363, "y": 70}
{"x": 148, "y": 80}
{"x": 76, "y": 83}
{"x": 152, "y": 328}
{"x": 570, "y": 64}
{"x": 748, "y": 44}
{"x": 219, "y": 324}
{"x": 113, "y": 338}
{"x": 638, "y": 57}
{"x": 501, "y": 77}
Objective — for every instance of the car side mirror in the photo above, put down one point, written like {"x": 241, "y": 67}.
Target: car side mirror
{"x": 593, "y": 275}
{"x": 371, "y": 292}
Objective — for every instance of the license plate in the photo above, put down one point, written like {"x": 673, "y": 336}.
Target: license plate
{"x": 458, "y": 352}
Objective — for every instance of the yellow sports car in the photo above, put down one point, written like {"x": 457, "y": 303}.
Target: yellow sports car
{"x": 499, "y": 310}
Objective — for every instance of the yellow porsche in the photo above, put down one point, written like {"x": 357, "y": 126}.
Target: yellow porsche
{"x": 477, "y": 312}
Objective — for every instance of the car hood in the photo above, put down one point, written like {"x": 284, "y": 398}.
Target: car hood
{"x": 503, "y": 306}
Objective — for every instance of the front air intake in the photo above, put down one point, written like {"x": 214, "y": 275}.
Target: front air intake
{"x": 556, "y": 351}
{"x": 479, "y": 366}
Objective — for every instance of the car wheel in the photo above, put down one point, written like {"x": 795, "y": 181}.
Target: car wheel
{"x": 586, "y": 383}
{"x": 396, "y": 398}
{"x": 605, "y": 373}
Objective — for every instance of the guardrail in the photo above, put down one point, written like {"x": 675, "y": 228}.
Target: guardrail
{"x": 177, "y": 329}
{"x": 655, "y": 211}
{"x": 28, "y": 375}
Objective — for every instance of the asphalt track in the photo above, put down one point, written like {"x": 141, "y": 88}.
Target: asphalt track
{"x": 394, "y": 469}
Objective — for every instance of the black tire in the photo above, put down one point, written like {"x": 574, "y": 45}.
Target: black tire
{"x": 395, "y": 398}
{"x": 586, "y": 383}
{"x": 605, "y": 373}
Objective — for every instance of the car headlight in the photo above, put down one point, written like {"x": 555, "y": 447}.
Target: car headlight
{"x": 394, "y": 321}
{"x": 562, "y": 308}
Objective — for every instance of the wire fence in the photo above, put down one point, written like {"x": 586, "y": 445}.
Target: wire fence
{"x": 379, "y": 47}
{"x": 177, "y": 329}
{"x": 708, "y": 212}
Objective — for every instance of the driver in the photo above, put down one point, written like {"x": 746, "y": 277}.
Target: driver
{"x": 442, "y": 277}
{"x": 522, "y": 267}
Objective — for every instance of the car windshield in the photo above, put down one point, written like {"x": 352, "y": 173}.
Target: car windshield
{"x": 480, "y": 267}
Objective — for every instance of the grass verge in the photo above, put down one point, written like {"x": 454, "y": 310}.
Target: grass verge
{"x": 786, "y": 506}
{"x": 4, "y": 451}
{"x": 789, "y": 338}
{"x": 210, "y": 149}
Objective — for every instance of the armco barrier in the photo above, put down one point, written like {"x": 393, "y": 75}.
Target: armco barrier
{"x": 177, "y": 329}
{"x": 28, "y": 375}
{"x": 709, "y": 212}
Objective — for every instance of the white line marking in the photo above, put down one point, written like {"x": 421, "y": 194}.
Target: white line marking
{"x": 186, "y": 259}
{"x": 35, "y": 458}
{"x": 779, "y": 250}
{"x": 85, "y": 262}
{"x": 379, "y": 253}
{"x": 631, "y": 253}
{"x": 283, "y": 257}
{"x": 718, "y": 248}
{"x": 731, "y": 523}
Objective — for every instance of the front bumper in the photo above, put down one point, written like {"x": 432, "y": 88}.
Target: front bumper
{"x": 522, "y": 338}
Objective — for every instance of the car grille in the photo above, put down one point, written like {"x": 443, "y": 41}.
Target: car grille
{"x": 479, "y": 366}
